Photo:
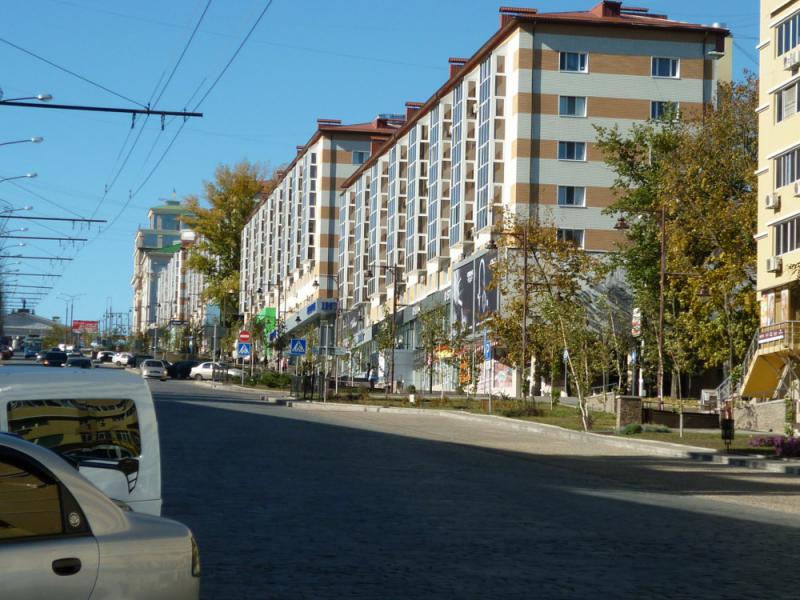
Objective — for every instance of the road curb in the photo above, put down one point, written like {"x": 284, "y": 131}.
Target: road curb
{"x": 652, "y": 447}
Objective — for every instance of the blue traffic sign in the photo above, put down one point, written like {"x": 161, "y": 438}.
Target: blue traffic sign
{"x": 244, "y": 349}
{"x": 487, "y": 350}
{"x": 297, "y": 347}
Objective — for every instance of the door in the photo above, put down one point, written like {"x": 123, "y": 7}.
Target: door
{"x": 46, "y": 548}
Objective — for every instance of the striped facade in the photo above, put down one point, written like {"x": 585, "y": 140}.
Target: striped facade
{"x": 290, "y": 242}
{"x": 512, "y": 131}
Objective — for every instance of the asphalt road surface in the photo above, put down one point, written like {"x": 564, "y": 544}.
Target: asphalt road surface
{"x": 291, "y": 503}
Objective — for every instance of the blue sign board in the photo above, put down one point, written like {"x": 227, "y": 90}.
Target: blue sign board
{"x": 244, "y": 349}
{"x": 487, "y": 350}
{"x": 297, "y": 347}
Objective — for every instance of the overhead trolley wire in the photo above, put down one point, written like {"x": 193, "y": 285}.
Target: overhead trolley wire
{"x": 73, "y": 73}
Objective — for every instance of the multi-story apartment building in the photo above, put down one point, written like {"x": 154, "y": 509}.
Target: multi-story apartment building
{"x": 289, "y": 244}
{"x": 770, "y": 368}
{"x": 510, "y": 132}
{"x": 150, "y": 258}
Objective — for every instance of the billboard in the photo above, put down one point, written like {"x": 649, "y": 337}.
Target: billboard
{"x": 473, "y": 300}
{"x": 85, "y": 326}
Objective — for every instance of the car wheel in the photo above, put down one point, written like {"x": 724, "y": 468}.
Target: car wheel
{"x": 198, "y": 377}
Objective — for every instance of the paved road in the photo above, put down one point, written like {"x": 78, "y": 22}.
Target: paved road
{"x": 290, "y": 503}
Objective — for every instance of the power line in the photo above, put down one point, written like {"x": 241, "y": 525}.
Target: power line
{"x": 183, "y": 53}
{"x": 235, "y": 54}
{"x": 73, "y": 73}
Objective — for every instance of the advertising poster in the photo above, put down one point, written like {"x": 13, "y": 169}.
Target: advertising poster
{"x": 473, "y": 300}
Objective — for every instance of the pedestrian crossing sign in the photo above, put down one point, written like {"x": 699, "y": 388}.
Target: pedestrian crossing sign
{"x": 243, "y": 349}
{"x": 297, "y": 347}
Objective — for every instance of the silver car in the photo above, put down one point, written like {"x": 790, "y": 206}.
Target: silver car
{"x": 154, "y": 368}
{"x": 61, "y": 537}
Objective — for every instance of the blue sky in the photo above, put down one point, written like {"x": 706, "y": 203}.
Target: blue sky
{"x": 349, "y": 59}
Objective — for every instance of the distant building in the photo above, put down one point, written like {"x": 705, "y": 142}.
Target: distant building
{"x": 153, "y": 249}
{"x": 770, "y": 369}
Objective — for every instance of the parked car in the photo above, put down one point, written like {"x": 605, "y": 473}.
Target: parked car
{"x": 6, "y": 352}
{"x": 121, "y": 358}
{"x": 75, "y": 353}
{"x": 206, "y": 370}
{"x": 80, "y": 362}
{"x": 137, "y": 359}
{"x": 54, "y": 359}
{"x": 122, "y": 455}
{"x": 63, "y": 538}
{"x": 31, "y": 352}
{"x": 154, "y": 368}
{"x": 104, "y": 356}
{"x": 181, "y": 369}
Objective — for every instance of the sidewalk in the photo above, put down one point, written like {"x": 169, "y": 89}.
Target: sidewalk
{"x": 650, "y": 447}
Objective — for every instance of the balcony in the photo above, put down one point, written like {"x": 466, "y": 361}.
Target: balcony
{"x": 773, "y": 350}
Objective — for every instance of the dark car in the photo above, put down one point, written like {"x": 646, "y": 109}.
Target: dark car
{"x": 31, "y": 352}
{"x": 181, "y": 369}
{"x": 137, "y": 359}
{"x": 80, "y": 362}
{"x": 6, "y": 352}
{"x": 54, "y": 359}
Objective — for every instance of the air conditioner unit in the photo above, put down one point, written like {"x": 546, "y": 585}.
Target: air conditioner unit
{"x": 774, "y": 264}
{"x": 773, "y": 201}
{"x": 797, "y": 189}
{"x": 791, "y": 60}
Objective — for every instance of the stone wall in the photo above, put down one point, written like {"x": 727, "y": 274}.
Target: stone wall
{"x": 761, "y": 416}
{"x": 629, "y": 410}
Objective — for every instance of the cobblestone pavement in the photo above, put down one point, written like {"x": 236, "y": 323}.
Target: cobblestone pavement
{"x": 323, "y": 504}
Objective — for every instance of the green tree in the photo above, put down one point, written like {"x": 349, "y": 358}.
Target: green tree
{"x": 434, "y": 332}
{"x": 558, "y": 275}
{"x": 696, "y": 173}
{"x": 230, "y": 198}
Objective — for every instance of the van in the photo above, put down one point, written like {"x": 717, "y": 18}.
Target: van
{"x": 102, "y": 421}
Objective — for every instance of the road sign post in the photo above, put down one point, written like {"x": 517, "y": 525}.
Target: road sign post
{"x": 297, "y": 347}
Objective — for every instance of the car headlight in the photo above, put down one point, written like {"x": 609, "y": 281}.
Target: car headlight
{"x": 195, "y": 558}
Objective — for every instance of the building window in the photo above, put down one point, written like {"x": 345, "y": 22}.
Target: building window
{"x": 484, "y": 131}
{"x": 571, "y": 150}
{"x": 666, "y": 67}
{"x": 572, "y": 106}
{"x": 661, "y": 110}
{"x": 574, "y": 62}
{"x": 571, "y": 235}
{"x": 789, "y": 34}
{"x": 360, "y": 157}
{"x": 787, "y": 236}
{"x": 787, "y": 101}
{"x": 787, "y": 168}
{"x": 570, "y": 195}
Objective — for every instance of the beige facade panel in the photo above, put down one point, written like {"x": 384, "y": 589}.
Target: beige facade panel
{"x": 598, "y": 197}
{"x": 603, "y": 240}
{"x": 620, "y": 64}
{"x": 328, "y": 184}
{"x": 336, "y": 156}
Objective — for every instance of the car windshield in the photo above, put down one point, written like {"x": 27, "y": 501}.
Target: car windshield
{"x": 153, "y": 363}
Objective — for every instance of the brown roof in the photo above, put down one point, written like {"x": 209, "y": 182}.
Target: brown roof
{"x": 607, "y": 13}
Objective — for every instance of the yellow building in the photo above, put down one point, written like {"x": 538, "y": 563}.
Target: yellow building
{"x": 771, "y": 364}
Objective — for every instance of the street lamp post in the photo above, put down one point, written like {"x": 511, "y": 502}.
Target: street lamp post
{"x": 523, "y": 238}
{"x": 335, "y": 331}
{"x": 31, "y": 140}
{"x": 26, "y": 176}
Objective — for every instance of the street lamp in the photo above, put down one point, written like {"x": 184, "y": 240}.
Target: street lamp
{"x": 393, "y": 270}
{"x": 335, "y": 331}
{"x": 8, "y": 211}
{"x": 45, "y": 97}
{"x": 523, "y": 239}
{"x": 26, "y": 176}
{"x": 33, "y": 140}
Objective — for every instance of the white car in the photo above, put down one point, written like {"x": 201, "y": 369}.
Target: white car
{"x": 103, "y": 420}
{"x": 121, "y": 358}
{"x": 207, "y": 369}
{"x": 154, "y": 368}
{"x": 63, "y": 538}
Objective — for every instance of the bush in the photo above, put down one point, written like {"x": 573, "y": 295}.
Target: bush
{"x": 787, "y": 447}
{"x": 273, "y": 379}
{"x": 769, "y": 441}
{"x": 631, "y": 429}
{"x": 656, "y": 428}
{"x": 521, "y": 409}
{"x": 411, "y": 389}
